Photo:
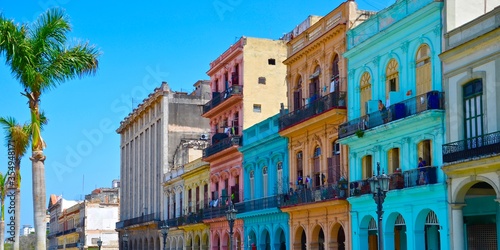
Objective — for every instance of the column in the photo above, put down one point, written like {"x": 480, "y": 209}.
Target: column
{"x": 457, "y": 220}
{"x": 498, "y": 223}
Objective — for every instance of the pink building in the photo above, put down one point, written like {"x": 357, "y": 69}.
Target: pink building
{"x": 248, "y": 85}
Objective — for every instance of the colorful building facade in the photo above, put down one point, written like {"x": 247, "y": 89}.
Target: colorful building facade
{"x": 247, "y": 87}
{"x": 317, "y": 101}
{"x": 396, "y": 116}
{"x": 265, "y": 174}
{"x": 471, "y": 156}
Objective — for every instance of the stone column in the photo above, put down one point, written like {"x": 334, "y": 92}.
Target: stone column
{"x": 457, "y": 220}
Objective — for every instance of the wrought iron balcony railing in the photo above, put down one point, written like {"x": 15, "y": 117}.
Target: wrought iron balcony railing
{"x": 333, "y": 100}
{"x": 220, "y": 97}
{"x": 304, "y": 195}
{"x": 257, "y": 204}
{"x": 484, "y": 145}
{"x": 406, "y": 179}
{"x": 138, "y": 220}
{"x": 223, "y": 144}
{"x": 429, "y": 101}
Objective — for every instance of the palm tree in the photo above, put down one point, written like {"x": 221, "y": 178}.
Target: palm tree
{"x": 2, "y": 211}
{"x": 18, "y": 136}
{"x": 40, "y": 59}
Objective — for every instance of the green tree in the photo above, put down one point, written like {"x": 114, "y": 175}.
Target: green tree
{"x": 40, "y": 59}
{"x": 18, "y": 139}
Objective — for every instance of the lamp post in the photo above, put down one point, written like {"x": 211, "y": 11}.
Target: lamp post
{"x": 99, "y": 243}
{"x": 231, "y": 217}
{"x": 125, "y": 241}
{"x": 379, "y": 186}
{"x": 164, "y": 232}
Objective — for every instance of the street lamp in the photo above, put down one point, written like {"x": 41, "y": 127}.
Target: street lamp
{"x": 379, "y": 186}
{"x": 99, "y": 243}
{"x": 125, "y": 241}
{"x": 231, "y": 217}
{"x": 164, "y": 232}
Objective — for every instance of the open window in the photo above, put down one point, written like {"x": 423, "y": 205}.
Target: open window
{"x": 367, "y": 166}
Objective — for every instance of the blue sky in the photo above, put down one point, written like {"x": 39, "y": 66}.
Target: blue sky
{"x": 142, "y": 44}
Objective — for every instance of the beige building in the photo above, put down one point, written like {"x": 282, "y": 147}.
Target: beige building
{"x": 84, "y": 223}
{"x": 317, "y": 105}
{"x": 150, "y": 136}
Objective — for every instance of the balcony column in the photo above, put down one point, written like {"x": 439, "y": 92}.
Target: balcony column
{"x": 498, "y": 223}
{"x": 457, "y": 219}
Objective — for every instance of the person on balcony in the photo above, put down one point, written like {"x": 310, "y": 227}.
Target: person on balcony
{"x": 422, "y": 177}
{"x": 383, "y": 111}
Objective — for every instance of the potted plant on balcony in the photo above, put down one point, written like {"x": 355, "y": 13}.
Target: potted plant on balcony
{"x": 360, "y": 133}
{"x": 342, "y": 185}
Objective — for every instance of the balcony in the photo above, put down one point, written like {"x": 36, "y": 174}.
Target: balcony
{"x": 485, "y": 145}
{"x": 220, "y": 97}
{"x": 154, "y": 217}
{"x": 222, "y": 145}
{"x": 258, "y": 204}
{"x": 432, "y": 100}
{"x": 191, "y": 218}
{"x": 407, "y": 179}
{"x": 319, "y": 106}
{"x": 311, "y": 195}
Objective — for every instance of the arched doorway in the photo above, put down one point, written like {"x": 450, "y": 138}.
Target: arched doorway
{"x": 280, "y": 239}
{"x": 216, "y": 243}
{"x": 303, "y": 241}
{"x": 204, "y": 242}
{"x": 372, "y": 235}
{"x": 265, "y": 241}
{"x": 432, "y": 232}
{"x": 400, "y": 242}
{"x": 341, "y": 239}
{"x": 252, "y": 240}
{"x": 197, "y": 245}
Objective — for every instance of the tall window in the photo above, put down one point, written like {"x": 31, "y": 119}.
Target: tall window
{"x": 365, "y": 91}
{"x": 300, "y": 170}
{"x": 252, "y": 185}
{"x": 424, "y": 151}
{"x": 234, "y": 75}
{"x": 393, "y": 160}
{"x": 424, "y": 77}
{"x": 236, "y": 123}
{"x": 335, "y": 68}
{"x": 264, "y": 181}
{"x": 317, "y": 166}
{"x": 280, "y": 177}
{"x": 367, "y": 166}
{"x": 473, "y": 112}
{"x": 392, "y": 77}
{"x": 314, "y": 85}
{"x": 334, "y": 163}
{"x": 297, "y": 95}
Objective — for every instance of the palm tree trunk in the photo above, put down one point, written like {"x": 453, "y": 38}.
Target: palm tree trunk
{"x": 17, "y": 219}
{"x": 2, "y": 233}
{"x": 39, "y": 198}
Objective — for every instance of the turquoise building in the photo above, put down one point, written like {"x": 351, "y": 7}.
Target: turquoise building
{"x": 265, "y": 175}
{"x": 396, "y": 115}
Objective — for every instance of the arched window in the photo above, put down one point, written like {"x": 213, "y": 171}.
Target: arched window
{"x": 297, "y": 94}
{"x": 314, "y": 85}
{"x": 252, "y": 185}
{"x": 365, "y": 91}
{"x": 392, "y": 78}
{"x": 334, "y": 163}
{"x": 392, "y": 160}
{"x": 279, "y": 166}
{"x": 423, "y": 70}
{"x": 264, "y": 181}
{"x": 367, "y": 166}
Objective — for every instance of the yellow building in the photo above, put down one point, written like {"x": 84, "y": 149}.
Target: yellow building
{"x": 316, "y": 76}
{"x": 196, "y": 179}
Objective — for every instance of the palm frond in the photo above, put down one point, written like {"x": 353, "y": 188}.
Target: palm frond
{"x": 49, "y": 32}
{"x": 67, "y": 64}
{"x": 7, "y": 123}
{"x": 17, "y": 135}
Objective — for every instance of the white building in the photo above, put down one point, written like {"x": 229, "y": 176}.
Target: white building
{"x": 27, "y": 229}
{"x": 150, "y": 136}
{"x": 471, "y": 156}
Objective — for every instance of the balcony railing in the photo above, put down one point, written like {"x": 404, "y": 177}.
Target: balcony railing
{"x": 428, "y": 101}
{"x": 333, "y": 100}
{"x": 410, "y": 178}
{"x": 138, "y": 220}
{"x": 223, "y": 144}
{"x": 316, "y": 194}
{"x": 215, "y": 212}
{"x": 220, "y": 97}
{"x": 257, "y": 204}
{"x": 484, "y": 145}
{"x": 191, "y": 218}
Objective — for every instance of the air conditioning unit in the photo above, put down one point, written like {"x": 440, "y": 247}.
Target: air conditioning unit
{"x": 204, "y": 137}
